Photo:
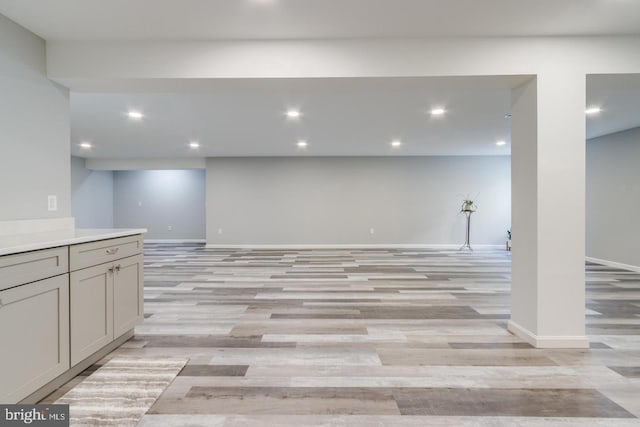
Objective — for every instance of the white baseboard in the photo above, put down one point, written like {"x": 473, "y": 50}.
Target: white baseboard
{"x": 540, "y": 341}
{"x": 174, "y": 240}
{"x": 614, "y": 264}
{"x": 45, "y": 225}
{"x": 352, "y": 246}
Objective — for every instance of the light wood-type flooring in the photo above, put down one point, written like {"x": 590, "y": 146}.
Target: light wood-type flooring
{"x": 351, "y": 337}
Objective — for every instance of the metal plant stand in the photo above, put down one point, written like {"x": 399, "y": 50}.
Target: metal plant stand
{"x": 467, "y": 245}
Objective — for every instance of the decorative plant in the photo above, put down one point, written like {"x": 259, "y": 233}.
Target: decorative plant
{"x": 468, "y": 205}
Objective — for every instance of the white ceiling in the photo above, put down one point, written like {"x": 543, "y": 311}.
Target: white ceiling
{"x": 260, "y": 19}
{"x": 619, "y": 98}
{"x": 340, "y": 116}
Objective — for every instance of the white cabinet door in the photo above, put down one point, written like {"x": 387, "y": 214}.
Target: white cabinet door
{"x": 128, "y": 296}
{"x": 34, "y": 336}
{"x": 91, "y": 310}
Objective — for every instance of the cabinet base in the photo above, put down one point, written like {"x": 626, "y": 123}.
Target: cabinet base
{"x": 51, "y": 386}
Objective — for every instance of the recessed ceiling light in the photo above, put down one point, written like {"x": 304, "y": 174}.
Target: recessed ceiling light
{"x": 302, "y": 144}
{"x": 194, "y": 144}
{"x": 438, "y": 111}
{"x": 293, "y": 114}
{"x": 396, "y": 143}
{"x": 136, "y": 115}
{"x": 593, "y": 110}
{"x": 85, "y": 145}
{"x": 501, "y": 143}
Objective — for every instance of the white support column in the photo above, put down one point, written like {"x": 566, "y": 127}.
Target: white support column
{"x": 548, "y": 211}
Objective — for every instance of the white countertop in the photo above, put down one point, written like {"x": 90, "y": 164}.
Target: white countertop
{"x": 16, "y": 243}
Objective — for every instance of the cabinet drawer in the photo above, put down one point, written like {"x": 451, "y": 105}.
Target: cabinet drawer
{"x": 28, "y": 267}
{"x": 34, "y": 331}
{"x": 94, "y": 253}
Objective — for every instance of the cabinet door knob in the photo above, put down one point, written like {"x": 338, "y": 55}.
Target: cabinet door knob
{"x": 112, "y": 251}
{"x": 110, "y": 270}
{"x": 117, "y": 267}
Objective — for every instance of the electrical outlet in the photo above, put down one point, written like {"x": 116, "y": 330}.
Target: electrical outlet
{"x": 139, "y": 204}
{"x": 219, "y": 230}
{"x": 52, "y": 203}
{"x": 169, "y": 227}
{"x": 372, "y": 230}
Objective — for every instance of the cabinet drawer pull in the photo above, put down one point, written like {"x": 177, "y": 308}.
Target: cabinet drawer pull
{"x": 112, "y": 251}
{"x": 110, "y": 270}
{"x": 117, "y": 268}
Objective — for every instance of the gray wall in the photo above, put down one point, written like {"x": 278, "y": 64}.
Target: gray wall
{"x": 338, "y": 200}
{"x": 158, "y": 199}
{"x": 34, "y": 130}
{"x": 613, "y": 197}
{"x": 91, "y": 196}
